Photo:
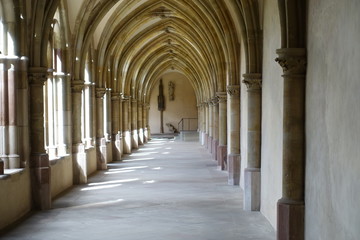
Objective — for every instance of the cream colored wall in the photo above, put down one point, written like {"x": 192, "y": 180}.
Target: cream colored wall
{"x": 61, "y": 175}
{"x": 15, "y": 197}
{"x": 272, "y": 115}
{"x": 183, "y": 106}
{"x": 332, "y": 121}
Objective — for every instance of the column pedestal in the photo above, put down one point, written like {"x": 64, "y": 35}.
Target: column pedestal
{"x": 252, "y": 179}
{"x": 209, "y": 144}
{"x": 116, "y": 147}
{"x": 127, "y": 142}
{"x": 290, "y": 223}
{"x": 222, "y": 157}
{"x": 40, "y": 181}
{"x": 234, "y": 169}
{"x": 79, "y": 164}
{"x": 102, "y": 154}
{"x": 215, "y": 144}
{"x": 206, "y": 141}
{"x": 134, "y": 139}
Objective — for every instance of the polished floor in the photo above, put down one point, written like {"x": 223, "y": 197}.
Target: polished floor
{"x": 166, "y": 190}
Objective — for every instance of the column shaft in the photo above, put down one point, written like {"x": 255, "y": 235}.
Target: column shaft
{"x": 291, "y": 205}
{"x": 234, "y": 133}
{"x": 115, "y": 126}
{"x": 100, "y": 138}
{"x": 222, "y": 148}
{"x": 126, "y": 125}
{"x": 134, "y": 128}
{"x": 140, "y": 123}
{"x": 252, "y": 178}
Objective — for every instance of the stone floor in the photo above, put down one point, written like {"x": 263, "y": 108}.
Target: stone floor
{"x": 167, "y": 190}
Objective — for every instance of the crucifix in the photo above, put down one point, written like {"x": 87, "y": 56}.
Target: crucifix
{"x": 161, "y": 105}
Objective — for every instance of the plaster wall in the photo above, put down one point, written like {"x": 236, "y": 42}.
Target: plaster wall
{"x": 61, "y": 175}
{"x": 183, "y": 106}
{"x": 15, "y": 197}
{"x": 332, "y": 121}
{"x": 243, "y": 120}
{"x": 272, "y": 115}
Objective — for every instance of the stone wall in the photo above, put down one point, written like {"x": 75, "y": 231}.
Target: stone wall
{"x": 61, "y": 175}
{"x": 332, "y": 121}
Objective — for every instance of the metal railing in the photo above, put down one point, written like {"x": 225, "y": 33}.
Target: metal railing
{"x": 188, "y": 124}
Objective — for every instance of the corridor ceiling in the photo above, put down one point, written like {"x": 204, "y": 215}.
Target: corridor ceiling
{"x": 137, "y": 41}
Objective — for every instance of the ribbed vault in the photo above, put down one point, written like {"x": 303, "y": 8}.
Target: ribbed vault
{"x": 143, "y": 39}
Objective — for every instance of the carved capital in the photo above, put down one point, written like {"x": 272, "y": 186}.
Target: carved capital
{"x": 125, "y": 98}
{"x": 115, "y": 96}
{"x": 222, "y": 97}
{"x": 233, "y": 90}
{"x": 100, "y": 92}
{"x": 214, "y": 100}
{"x": 252, "y": 81}
{"x": 77, "y": 86}
{"x": 292, "y": 60}
{"x": 37, "y": 76}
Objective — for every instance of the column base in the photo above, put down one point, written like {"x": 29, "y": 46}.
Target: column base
{"x": 290, "y": 223}
{"x": 79, "y": 164}
{"x": 252, "y": 181}
{"x": 101, "y": 154}
{"x": 116, "y": 147}
{"x": 215, "y": 144}
{"x": 40, "y": 181}
{"x": 210, "y": 140}
{"x": 134, "y": 140}
{"x": 206, "y": 141}
{"x": 126, "y": 142}
{"x": 1, "y": 167}
{"x": 234, "y": 169}
{"x": 141, "y": 136}
{"x": 222, "y": 157}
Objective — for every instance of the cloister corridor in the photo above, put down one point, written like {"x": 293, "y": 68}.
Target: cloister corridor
{"x": 167, "y": 189}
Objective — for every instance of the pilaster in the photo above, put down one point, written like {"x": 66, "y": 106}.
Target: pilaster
{"x": 39, "y": 161}
{"x": 291, "y": 206}
{"x": 252, "y": 178}
{"x": 222, "y": 148}
{"x": 233, "y": 92}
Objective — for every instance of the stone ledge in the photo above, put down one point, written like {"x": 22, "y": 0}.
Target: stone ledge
{"x": 8, "y": 173}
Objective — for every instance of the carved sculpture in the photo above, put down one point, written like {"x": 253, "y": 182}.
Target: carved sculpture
{"x": 171, "y": 91}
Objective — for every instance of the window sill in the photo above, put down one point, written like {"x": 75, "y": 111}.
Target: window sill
{"x": 11, "y": 172}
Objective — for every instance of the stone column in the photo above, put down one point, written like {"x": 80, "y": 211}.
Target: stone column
{"x": 222, "y": 148}
{"x": 252, "y": 177}
{"x": 291, "y": 206}
{"x": 126, "y": 124}
{"x": 120, "y": 133}
{"x": 215, "y": 141}
{"x": 115, "y": 130}
{"x": 206, "y": 111}
{"x": 134, "y": 130}
{"x": 233, "y": 158}
{"x": 39, "y": 160}
{"x": 145, "y": 123}
{"x": 78, "y": 148}
{"x": 140, "y": 126}
{"x": 100, "y": 139}
{"x": 211, "y": 125}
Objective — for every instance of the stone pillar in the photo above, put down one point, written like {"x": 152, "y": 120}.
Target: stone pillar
{"x": 121, "y": 125}
{"x": 100, "y": 139}
{"x": 145, "y": 123}
{"x": 134, "y": 129}
{"x": 39, "y": 160}
{"x": 206, "y": 111}
{"x": 233, "y": 158}
{"x": 215, "y": 141}
{"x": 211, "y": 125}
{"x": 78, "y": 148}
{"x": 115, "y": 130}
{"x": 126, "y": 125}
{"x": 222, "y": 148}
{"x": 140, "y": 126}
{"x": 252, "y": 177}
{"x": 89, "y": 112}
{"x": 291, "y": 206}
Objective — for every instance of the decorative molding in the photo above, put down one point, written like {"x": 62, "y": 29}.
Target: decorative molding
{"x": 233, "y": 90}
{"x": 125, "y": 98}
{"x": 115, "y": 96}
{"x": 100, "y": 92}
{"x": 77, "y": 86}
{"x": 292, "y": 60}
{"x": 214, "y": 100}
{"x": 222, "y": 97}
{"x": 37, "y": 76}
{"x": 253, "y": 81}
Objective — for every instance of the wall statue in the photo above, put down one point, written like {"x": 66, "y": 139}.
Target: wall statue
{"x": 171, "y": 91}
